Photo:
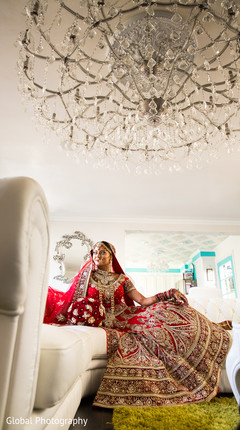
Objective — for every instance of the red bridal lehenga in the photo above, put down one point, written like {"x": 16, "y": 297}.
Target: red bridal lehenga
{"x": 163, "y": 354}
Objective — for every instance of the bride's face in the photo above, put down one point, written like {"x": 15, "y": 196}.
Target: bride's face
{"x": 101, "y": 258}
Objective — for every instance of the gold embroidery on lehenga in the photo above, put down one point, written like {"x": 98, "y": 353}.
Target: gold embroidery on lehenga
{"x": 163, "y": 354}
{"x": 155, "y": 367}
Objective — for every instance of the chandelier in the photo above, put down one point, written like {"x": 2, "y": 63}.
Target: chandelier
{"x": 158, "y": 264}
{"x": 143, "y": 83}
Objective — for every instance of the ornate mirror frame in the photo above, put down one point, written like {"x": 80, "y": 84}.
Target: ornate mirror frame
{"x": 65, "y": 244}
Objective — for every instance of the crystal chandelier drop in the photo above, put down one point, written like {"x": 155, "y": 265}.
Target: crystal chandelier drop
{"x": 143, "y": 83}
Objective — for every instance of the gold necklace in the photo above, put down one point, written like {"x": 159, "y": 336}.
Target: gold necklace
{"x": 103, "y": 276}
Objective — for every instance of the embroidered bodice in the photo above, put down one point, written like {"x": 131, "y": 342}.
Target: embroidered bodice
{"x": 111, "y": 295}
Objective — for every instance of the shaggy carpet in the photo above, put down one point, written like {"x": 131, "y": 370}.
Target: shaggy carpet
{"x": 218, "y": 414}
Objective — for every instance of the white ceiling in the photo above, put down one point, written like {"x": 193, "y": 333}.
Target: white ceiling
{"x": 79, "y": 191}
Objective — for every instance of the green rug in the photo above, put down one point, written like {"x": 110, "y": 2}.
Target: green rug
{"x": 219, "y": 414}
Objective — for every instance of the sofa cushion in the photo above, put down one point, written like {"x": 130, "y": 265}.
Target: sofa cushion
{"x": 223, "y": 309}
{"x": 217, "y": 309}
{"x": 64, "y": 357}
{"x": 97, "y": 339}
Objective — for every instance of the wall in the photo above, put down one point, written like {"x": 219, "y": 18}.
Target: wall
{"x": 150, "y": 284}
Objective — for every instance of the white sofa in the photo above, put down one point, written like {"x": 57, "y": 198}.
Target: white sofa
{"x": 218, "y": 309}
{"x": 46, "y": 370}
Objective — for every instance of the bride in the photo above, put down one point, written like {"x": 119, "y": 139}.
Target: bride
{"x": 162, "y": 352}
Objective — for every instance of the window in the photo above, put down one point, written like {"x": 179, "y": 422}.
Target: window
{"x": 227, "y": 278}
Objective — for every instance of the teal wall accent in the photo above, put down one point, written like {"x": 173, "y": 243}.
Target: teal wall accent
{"x": 203, "y": 254}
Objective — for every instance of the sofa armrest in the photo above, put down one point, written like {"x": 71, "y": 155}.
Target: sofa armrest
{"x": 23, "y": 264}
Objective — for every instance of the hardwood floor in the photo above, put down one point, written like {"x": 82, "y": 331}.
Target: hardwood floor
{"x": 90, "y": 418}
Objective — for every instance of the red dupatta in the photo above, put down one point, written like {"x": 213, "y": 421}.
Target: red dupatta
{"x": 58, "y": 302}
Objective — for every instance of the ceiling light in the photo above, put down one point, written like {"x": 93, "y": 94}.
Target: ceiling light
{"x": 143, "y": 83}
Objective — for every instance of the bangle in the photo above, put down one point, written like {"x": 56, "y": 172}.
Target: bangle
{"x": 166, "y": 295}
{"x": 161, "y": 297}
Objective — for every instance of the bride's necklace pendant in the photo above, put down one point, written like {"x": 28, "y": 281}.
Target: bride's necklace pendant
{"x": 106, "y": 287}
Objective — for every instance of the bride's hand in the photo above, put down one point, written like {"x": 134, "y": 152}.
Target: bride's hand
{"x": 179, "y": 298}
